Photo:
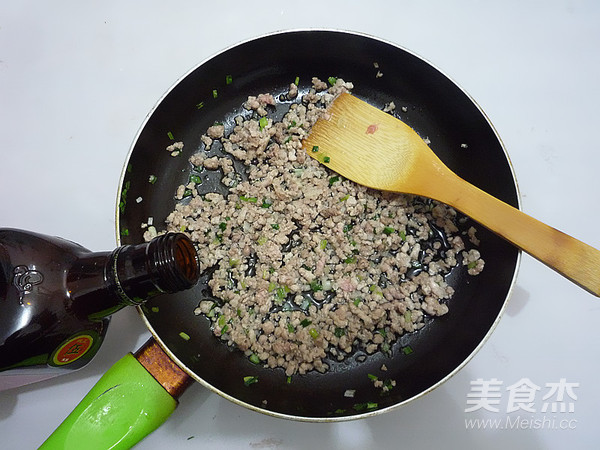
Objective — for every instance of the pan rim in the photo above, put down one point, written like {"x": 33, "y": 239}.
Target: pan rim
{"x": 357, "y": 416}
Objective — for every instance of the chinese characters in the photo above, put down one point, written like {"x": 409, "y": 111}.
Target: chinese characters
{"x": 523, "y": 395}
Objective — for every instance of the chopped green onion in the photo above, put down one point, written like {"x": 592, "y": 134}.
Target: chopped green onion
{"x": 323, "y": 244}
{"x": 402, "y": 235}
{"x": 339, "y": 332}
{"x": 315, "y": 148}
{"x": 224, "y": 329}
{"x": 248, "y": 199}
{"x": 326, "y": 159}
{"x": 313, "y": 333}
{"x": 221, "y": 321}
{"x": 275, "y": 226}
{"x": 263, "y": 122}
{"x": 372, "y": 377}
{"x": 472, "y": 265}
{"x": 152, "y": 179}
{"x": 291, "y": 328}
{"x": 282, "y": 292}
{"x": 357, "y": 300}
{"x": 363, "y": 406}
{"x": 254, "y": 358}
{"x": 333, "y": 180}
{"x": 344, "y": 198}
{"x": 262, "y": 240}
{"x": 305, "y": 323}
{"x": 170, "y": 135}
{"x": 297, "y": 81}
{"x": 125, "y": 232}
{"x": 250, "y": 380}
{"x": 388, "y": 230}
{"x": 408, "y": 316}
{"x": 266, "y": 203}
{"x": 234, "y": 262}
{"x": 272, "y": 286}
{"x": 200, "y": 105}
{"x": 359, "y": 406}
{"x": 407, "y": 350}
{"x": 375, "y": 290}
{"x": 332, "y": 80}
{"x": 215, "y": 93}
{"x": 123, "y": 201}
{"x": 350, "y": 260}
{"x": 195, "y": 179}
{"x": 382, "y": 332}
{"x": 222, "y": 226}
{"x": 315, "y": 286}
{"x": 228, "y": 79}
{"x": 155, "y": 309}
{"x": 184, "y": 336}
{"x": 289, "y": 380}
{"x": 305, "y": 303}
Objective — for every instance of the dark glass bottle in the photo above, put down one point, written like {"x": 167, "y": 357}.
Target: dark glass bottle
{"x": 56, "y": 296}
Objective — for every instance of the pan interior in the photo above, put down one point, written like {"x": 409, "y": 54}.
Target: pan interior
{"x": 435, "y": 106}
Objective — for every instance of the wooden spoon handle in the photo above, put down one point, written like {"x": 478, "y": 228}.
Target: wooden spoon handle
{"x": 570, "y": 257}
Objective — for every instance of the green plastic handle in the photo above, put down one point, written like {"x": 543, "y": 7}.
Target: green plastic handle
{"x": 124, "y": 406}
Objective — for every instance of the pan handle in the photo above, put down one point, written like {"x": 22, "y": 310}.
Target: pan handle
{"x": 129, "y": 402}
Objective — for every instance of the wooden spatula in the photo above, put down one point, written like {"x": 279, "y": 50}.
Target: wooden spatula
{"x": 372, "y": 148}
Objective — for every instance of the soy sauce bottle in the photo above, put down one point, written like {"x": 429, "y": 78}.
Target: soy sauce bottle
{"x": 56, "y": 297}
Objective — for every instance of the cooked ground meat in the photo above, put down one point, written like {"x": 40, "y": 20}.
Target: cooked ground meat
{"x": 306, "y": 265}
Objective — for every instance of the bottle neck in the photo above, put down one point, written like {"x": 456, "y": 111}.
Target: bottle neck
{"x": 102, "y": 283}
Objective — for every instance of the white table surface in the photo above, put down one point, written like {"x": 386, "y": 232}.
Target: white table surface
{"x": 78, "y": 78}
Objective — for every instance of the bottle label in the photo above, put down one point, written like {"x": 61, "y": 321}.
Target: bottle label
{"x": 72, "y": 350}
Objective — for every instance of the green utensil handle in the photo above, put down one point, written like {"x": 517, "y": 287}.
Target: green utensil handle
{"x": 124, "y": 406}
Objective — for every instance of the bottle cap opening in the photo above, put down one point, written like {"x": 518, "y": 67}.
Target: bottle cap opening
{"x": 176, "y": 260}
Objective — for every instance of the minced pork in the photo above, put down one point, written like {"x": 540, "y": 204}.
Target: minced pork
{"x": 307, "y": 266}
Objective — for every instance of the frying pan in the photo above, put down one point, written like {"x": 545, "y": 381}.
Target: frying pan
{"x": 214, "y": 91}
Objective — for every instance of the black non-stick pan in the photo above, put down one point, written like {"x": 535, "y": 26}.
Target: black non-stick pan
{"x": 435, "y": 106}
